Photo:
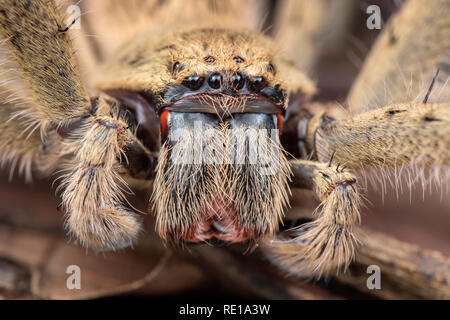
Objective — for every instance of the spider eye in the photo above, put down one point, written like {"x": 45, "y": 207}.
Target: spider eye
{"x": 238, "y": 59}
{"x": 193, "y": 82}
{"x": 237, "y": 81}
{"x": 176, "y": 66}
{"x": 163, "y": 123}
{"x": 210, "y": 59}
{"x": 257, "y": 83}
{"x": 215, "y": 81}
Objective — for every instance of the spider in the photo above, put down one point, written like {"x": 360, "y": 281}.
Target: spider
{"x": 181, "y": 104}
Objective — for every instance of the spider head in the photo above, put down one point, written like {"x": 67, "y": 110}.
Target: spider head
{"x": 216, "y": 100}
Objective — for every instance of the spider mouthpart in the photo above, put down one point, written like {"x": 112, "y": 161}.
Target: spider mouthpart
{"x": 220, "y": 178}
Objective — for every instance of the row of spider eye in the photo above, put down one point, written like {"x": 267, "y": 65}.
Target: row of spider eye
{"x": 215, "y": 80}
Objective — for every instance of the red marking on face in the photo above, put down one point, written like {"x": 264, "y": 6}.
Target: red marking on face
{"x": 163, "y": 118}
{"x": 280, "y": 122}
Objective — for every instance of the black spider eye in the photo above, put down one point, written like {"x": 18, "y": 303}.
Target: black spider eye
{"x": 193, "y": 82}
{"x": 176, "y": 66}
{"x": 257, "y": 83}
{"x": 238, "y": 59}
{"x": 210, "y": 59}
{"x": 237, "y": 81}
{"x": 215, "y": 81}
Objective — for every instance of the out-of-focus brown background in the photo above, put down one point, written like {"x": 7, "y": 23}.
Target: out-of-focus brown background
{"x": 35, "y": 251}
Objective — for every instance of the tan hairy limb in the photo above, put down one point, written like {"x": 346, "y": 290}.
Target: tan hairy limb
{"x": 409, "y": 133}
{"x": 22, "y": 148}
{"x": 92, "y": 193}
{"x": 405, "y": 57}
{"x": 43, "y": 54}
{"x": 329, "y": 242}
